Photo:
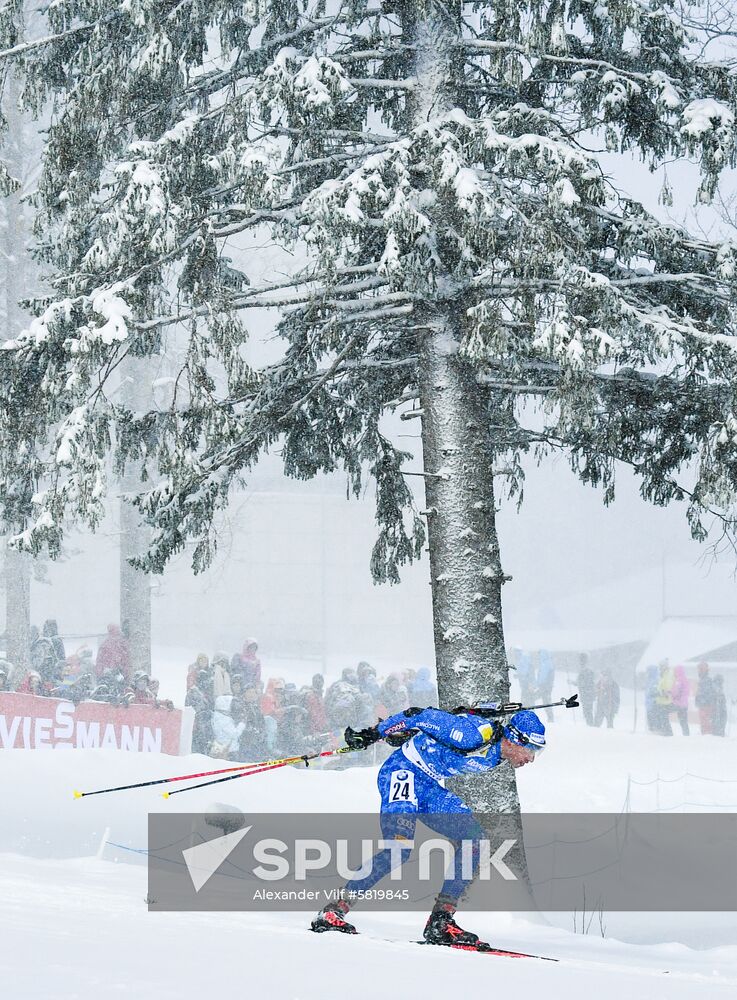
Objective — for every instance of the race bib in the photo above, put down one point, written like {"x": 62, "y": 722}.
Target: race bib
{"x": 402, "y": 787}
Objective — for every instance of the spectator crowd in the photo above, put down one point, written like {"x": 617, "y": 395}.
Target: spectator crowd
{"x": 669, "y": 696}
{"x": 241, "y": 716}
{"x": 668, "y": 693}
{"x": 79, "y": 676}
{"x": 598, "y": 694}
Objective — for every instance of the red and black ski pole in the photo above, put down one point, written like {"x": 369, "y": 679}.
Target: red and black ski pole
{"x": 187, "y": 777}
{"x": 271, "y": 766}
{"x": 237, "y": 771}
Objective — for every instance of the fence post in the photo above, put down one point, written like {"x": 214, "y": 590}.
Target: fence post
{"x": 103, "y": 842}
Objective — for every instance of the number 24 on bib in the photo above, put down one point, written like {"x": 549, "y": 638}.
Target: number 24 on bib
{"x": 402, "y": 787}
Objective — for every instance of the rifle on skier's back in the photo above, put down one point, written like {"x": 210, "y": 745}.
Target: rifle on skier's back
{"x": 494, "y": 710}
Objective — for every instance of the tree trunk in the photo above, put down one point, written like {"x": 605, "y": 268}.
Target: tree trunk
{"x": 135, "y": 586}
{"x": 465, "y": 565}
{"x": 466, "y": 574}
{"x": 18, "y": 276}
{"x": 18, "y": 612}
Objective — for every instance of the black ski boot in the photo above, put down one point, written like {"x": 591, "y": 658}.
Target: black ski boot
{"x": 332, "y": 918}
{"x": 442, "y": 929}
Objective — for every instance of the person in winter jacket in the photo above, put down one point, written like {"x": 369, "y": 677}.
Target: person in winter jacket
{"x": 679, "y": 697}
{"x": 114, "y": 654}
{"x": 253, "y": 744}
{"x": 50, "y": 631}
{"x": 237, "y": 687}
{"x": 112, "y": 688}
{"x": 166, "y": 703}
{"x": 250, "y": 663}
{"x": 44, "y": 660}
{"x": 365, "y": 711}
{"x": 525, "y": 675}
{"x": 394, "y": 695}
{"x": 140, "y": 691}
{"x": 651, "y": 693}
{"x": 201, "y": 662}
{"x": 198, "y": 699}
{"x": 422, "y": 691}
{"x": 367, "y": 682}
{"x": 272, "y": 701}
{"x": 434, "y": 745}
{"x": 226, "y": 729}
{"x": 314, "y": 702}
{"x": 607, "y": 699}
{"x": 221, "y": 674}
{"x": 293, "y": 725}
{"x": 705, "y": 699}
{"x": 32, "y": 684}
{"x": 79, "y": 663}
{"x": 586, "y": 684}
{"x": 663, "y": 698}
{"x": 342, "y": 700}
{"x": 720, "y": 707}
{"x": 236, "y": 667}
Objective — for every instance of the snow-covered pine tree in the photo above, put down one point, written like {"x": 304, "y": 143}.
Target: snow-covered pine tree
{"x": 436, "y": 164}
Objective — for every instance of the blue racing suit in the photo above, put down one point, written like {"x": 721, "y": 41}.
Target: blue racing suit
{"x": 410, "y": 785}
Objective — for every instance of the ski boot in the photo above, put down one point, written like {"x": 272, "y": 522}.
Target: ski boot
{"x": 442, "y": 929}
{"x": 332, "y": 918}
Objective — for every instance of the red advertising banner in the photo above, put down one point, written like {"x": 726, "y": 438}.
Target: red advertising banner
{"x": 33, "y": 723}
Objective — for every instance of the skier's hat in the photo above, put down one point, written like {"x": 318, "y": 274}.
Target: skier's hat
{"x": 525, "y": 729}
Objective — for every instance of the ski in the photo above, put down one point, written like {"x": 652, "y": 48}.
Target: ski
{"x": 488, "y": 950}
{"x": 484, "y": 949}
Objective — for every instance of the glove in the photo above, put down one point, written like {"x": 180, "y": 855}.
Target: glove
{"x": 397, "y": 739}
{"x": 361, "y": 739}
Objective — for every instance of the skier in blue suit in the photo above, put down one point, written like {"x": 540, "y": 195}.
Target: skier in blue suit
{"x": 440, "y": 745}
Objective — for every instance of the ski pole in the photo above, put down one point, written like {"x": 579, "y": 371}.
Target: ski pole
{"x": 186, "y": 777}
{"x": 260, "y": 770}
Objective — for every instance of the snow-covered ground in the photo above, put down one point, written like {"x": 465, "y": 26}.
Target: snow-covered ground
{"x": 75, "y": 925}
{"x": 80, "y": 929}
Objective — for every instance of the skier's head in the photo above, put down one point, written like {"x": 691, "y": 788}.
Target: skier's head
{"x": 523, "y": 738}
